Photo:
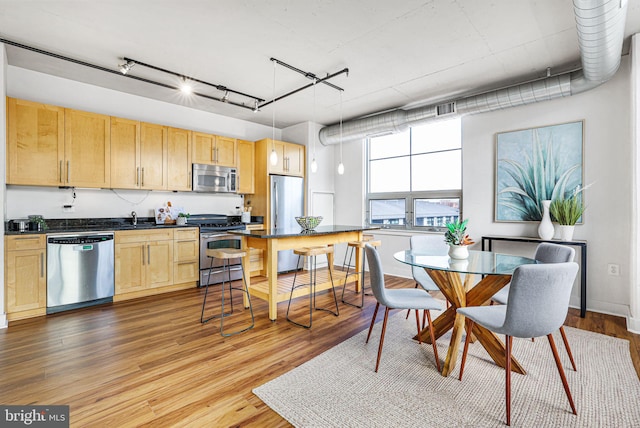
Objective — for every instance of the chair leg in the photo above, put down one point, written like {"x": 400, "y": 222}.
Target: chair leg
{"x": 433, "y": 339}
{"x": 565, "y": 384}
{"x": 568, "y": 348}
{"x": 373, "y": 320}
{"x": 311, "y": 297}
{"x": 507, "y": 369}
{"x": 467, "y": 338}
{"x": 418, "y": 326}
{"x": 384, "y": 329}
{"x": 244, "y": 289}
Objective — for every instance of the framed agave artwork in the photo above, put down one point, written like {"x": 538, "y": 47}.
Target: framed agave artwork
{"x": 536, "y": 164}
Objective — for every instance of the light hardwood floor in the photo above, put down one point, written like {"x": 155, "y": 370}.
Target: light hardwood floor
{"x": 150, "y": 362}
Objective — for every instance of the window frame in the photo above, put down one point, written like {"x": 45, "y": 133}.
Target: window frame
{"x": 408, "y": 196}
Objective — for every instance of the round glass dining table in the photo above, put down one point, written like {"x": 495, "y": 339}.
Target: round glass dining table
{"x": 494, "y": 271}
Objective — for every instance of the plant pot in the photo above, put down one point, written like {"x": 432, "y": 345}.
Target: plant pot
{"x": 566, "y": 232}
{"x": 458, "y": 252}
{"x": 181, "y": 221}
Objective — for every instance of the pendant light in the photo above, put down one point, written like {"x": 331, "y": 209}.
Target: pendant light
{"x": 340, "y": 165}
{"x": 314, "y": 164}
{"x": 273, "y": 157}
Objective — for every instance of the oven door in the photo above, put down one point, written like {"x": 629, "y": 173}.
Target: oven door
{"x": 213, "y": 240}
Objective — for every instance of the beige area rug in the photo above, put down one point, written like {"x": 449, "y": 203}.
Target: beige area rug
{"x": 339, "y": 388}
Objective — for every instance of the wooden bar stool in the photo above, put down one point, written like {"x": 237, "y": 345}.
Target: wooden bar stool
{"x": 312, "y": 253}
{"x": 226, "y": 254}
{"x": 352, "y": 246}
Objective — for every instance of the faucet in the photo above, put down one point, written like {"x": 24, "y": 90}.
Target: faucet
{"x": 134, "y": 219}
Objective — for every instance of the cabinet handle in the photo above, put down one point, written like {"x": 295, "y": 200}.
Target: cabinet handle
{"x": 61, "y": 179}
{"x": 137, "y": 176}
{"x": 142, "y": 248}
{"x": 142, "y": 181}
{"x": 189, "y": 180}
{"x": 213, "y": 154}
{"x": 149, "y": 254}
{"x": 41, "y": 265}
{"x": 68, "y": 171}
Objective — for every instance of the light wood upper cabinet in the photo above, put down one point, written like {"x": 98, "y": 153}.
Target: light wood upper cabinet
{"x": 213, "y": 149}
{"x": 87, "y": 149}
{"x": 225, "y": 151}
{"x": 25, "y": 276}
{"x": 138, "y": 155}
{"x": 246, "y": 166}
{"x": 179, "y": 159}
{"x": 153, "y": 156}
{"x": 125, "y": 153}
{"x": 290, "y": 157}
{"x": 35, "y": 143}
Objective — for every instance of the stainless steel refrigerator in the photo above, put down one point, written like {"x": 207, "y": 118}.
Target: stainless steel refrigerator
{"x": 287, "y": 203}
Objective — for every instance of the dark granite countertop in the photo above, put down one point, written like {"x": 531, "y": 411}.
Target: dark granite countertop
{"x": 74, "y": 225}
{"x": 297, "y": 231}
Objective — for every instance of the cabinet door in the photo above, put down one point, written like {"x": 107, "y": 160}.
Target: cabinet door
{"x": 294, "y": 154}
{"x": 125, "y": 153}
{"x": 130, "y": 267}
{"x": 87, "y": 149}
{"x": 225, "y": 151}
{"x": 179, "y": 159}
{"x": 159, "y": 262}
{"x": 26, "y": 281}
{"x": 278, "y": 146}
{"x": 153, "y": 156}
{"x": 35, "y": 143}
{"x": 246, "y": 166}
{"x": 203, "y": 148}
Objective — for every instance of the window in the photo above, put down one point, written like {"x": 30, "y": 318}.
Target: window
{"x": 415, "y": 177}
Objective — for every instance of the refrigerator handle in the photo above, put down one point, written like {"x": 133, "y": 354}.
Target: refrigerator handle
{"x": 275, "y": 199}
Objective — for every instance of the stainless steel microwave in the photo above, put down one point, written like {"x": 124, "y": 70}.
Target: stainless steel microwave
{"x": 214, "y": 179}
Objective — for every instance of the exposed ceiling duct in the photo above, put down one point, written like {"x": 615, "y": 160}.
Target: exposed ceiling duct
{"x": 600, "y": 27}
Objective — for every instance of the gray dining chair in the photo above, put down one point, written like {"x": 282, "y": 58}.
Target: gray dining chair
{"x": 537, "y": 306}
{"x": 398, "y": 298}
{"x": 427, "y": 243}
{"x": 545, "y": 253}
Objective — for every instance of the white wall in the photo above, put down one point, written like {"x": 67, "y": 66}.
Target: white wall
{"x": 608, "y": 165}
{"x": 633, "y": 322}
{"x": 3, "y": 164}
{"x": 34, "y": 86}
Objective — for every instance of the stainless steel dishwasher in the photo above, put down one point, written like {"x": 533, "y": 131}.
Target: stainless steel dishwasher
{"x": 79, "y": 270}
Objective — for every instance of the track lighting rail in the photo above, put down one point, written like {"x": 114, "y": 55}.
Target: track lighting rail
{"x": 308, "y": 75}
{"x": 213, "y": 85}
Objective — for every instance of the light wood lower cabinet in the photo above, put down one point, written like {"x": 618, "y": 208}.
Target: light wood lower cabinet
{"x": 25, "y": 276}
{"x": 149, "y": 262}
{"x": 186, "y": 255}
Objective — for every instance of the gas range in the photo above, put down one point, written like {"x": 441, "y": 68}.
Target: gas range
{"x": 216, "y": 222}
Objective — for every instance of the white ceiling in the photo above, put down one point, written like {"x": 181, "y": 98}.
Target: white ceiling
{"x": 399, "y": 53}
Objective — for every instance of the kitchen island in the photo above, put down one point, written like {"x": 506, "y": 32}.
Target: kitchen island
{"x": 273, "y": 240}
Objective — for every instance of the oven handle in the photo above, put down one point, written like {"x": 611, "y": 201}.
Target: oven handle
{"x": 217, "y": 235}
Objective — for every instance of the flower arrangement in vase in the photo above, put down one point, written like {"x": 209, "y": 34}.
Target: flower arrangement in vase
{"x": 457, "y": 238}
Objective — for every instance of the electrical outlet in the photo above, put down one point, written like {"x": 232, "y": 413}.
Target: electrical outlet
{"x": 68, "y": 208}
{"x": 613, "y": 269}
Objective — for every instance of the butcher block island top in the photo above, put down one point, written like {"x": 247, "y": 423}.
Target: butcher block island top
{"x": 268, "y": 287}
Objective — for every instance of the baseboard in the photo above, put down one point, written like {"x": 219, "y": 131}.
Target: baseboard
{"x": 633, "y": 325}
{"x": 3, "y": 321}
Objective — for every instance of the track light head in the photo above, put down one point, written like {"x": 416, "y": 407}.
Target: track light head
{"x": 124, "y": 68}
{"x": 225, "y": 97}
{"x": 185, "y": 86}
{"x": 255, "y": 106}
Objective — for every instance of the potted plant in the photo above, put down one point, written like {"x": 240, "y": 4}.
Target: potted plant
{"x": 567, "y": 212}
{"x": 182, "y": 219}
{"x": 457, "y": 238}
